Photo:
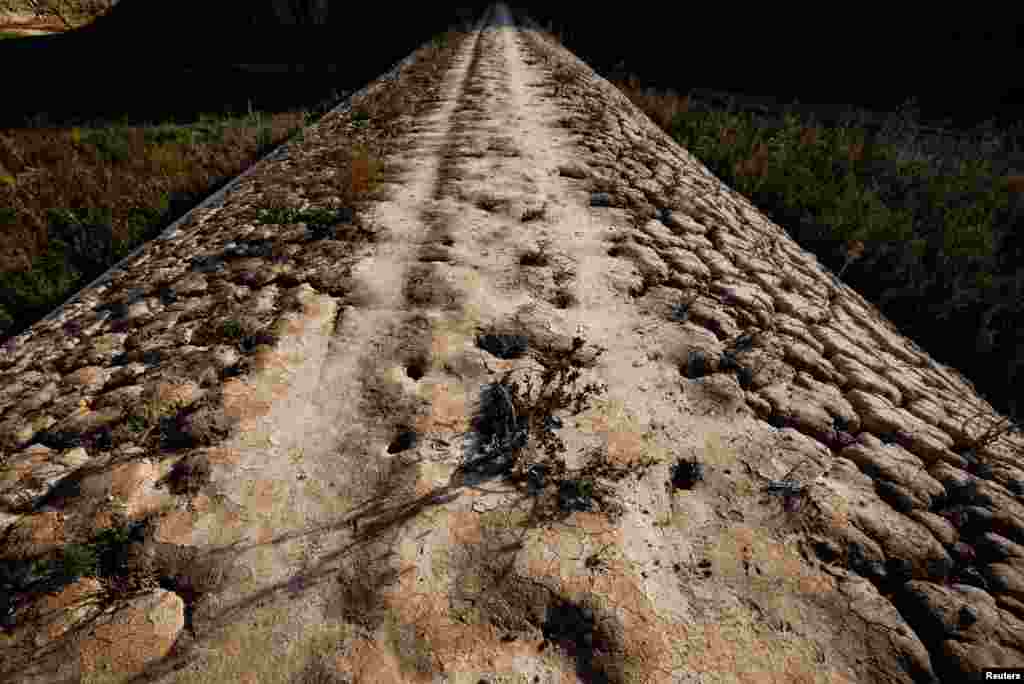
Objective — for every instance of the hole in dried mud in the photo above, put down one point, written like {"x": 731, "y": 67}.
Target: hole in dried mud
{"x": 405, "y": 440}
{"x": 596, "y": 649}
{"x": 415, "y": 370}
{"x": 686, "y": 474}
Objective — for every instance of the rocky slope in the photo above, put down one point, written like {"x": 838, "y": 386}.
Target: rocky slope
{"x": 302, "y": 445}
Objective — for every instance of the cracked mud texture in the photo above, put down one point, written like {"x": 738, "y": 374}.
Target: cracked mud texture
{"x": 278, "y": 413}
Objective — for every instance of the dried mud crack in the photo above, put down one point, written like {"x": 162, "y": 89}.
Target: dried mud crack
{"x": 552, "y": 405}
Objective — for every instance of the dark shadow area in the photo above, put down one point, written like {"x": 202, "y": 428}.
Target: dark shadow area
{"x": 959, "y": 68}
{"x": 138, "y": 64}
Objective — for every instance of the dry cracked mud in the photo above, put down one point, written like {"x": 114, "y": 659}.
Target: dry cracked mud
{"x": 767, "y": 483}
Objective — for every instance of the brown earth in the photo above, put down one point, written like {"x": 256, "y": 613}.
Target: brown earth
{"x": 27, "y": 31}
{"x": 29, "y": 24}
{"x": 321, "y": 529}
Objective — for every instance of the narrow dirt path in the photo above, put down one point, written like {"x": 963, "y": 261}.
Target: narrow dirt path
{"x": 357, "y": 526}
{"x": 401, "y": 355}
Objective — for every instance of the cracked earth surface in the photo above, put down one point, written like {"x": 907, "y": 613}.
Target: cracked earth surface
{"x": 336, "y": 541}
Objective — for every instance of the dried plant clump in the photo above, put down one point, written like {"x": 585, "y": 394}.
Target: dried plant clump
{"x": 190, "y": 474}
{"x": 517, "y": 435}
{"x": 686, "y": 474}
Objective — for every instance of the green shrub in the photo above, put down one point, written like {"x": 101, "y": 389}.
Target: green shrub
{"x": 111, "y": 144}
